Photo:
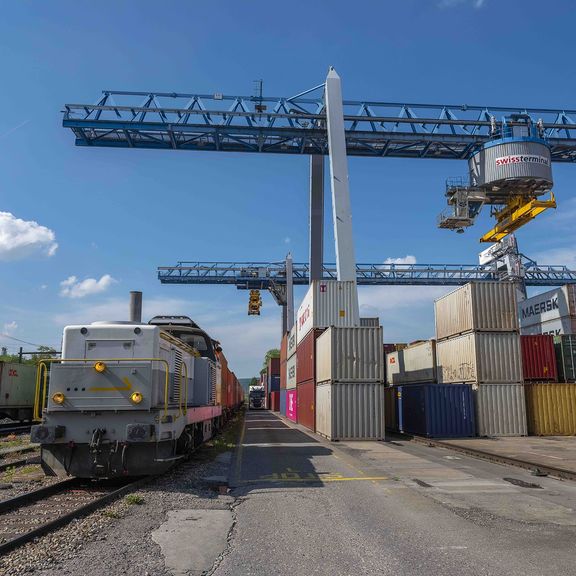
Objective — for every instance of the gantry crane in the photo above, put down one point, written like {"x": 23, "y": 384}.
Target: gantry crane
{"x": 300, "y": 125}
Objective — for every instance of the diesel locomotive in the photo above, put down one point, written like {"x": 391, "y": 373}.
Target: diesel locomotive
{"x": 131, "y": 399}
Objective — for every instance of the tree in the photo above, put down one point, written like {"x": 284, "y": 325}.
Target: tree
{"x": 272, "y": 353}
{"x": 254, "y": 382}
{"x": 43, "y": 353}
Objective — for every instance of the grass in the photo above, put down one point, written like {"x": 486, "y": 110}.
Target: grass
{"x": 9, "y": 474}
{"x": 228, "y": 438}
{"x": 112, "y": 514}
{"x": 134, "y": 499}
{"x": 12, "y": 442}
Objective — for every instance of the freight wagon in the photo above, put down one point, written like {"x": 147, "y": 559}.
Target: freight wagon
{"x": 17, "y": 385}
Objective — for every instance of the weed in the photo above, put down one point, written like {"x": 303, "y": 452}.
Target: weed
{"x": 111, "y": 514}
{"x": 134, "y": 499}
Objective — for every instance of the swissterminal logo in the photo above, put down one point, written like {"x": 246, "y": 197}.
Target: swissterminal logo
{"x": 546, "y": 306}
{"x": 521, "y": 159}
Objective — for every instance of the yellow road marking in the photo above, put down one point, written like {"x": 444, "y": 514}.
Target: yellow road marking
{"x": 128, "y": 386}
{"x": 320, "y": 479}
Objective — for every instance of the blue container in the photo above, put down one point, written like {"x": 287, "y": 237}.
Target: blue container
{"x": 436, "y": 410}
{"x": 283, "y": 402}
{"x": 273, "y": 383}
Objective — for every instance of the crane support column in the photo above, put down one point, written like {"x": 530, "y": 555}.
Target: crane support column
{"x": 289, "y": 293}
{"x": 341, "y": 211}
{"x": 316, "y": 217}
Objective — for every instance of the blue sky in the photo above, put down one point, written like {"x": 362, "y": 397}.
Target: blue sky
{"x": 116, "y": 215}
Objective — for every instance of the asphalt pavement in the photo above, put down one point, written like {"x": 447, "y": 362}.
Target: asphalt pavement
{"x": 308, "y": 506}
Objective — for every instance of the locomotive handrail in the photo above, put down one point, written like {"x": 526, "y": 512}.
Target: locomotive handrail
{"x": 184, "y": 410}
{"x": 40, "y": 396}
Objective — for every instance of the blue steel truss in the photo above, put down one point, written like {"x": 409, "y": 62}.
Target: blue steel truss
{"x": 296, "y": 125}
{"x": 271, "y": 275}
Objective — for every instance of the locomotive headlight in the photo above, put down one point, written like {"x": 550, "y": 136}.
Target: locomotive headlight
{"x": 58, "y": 398}
{"x": 100, "y": 367}
{"x": 136, "y": 397}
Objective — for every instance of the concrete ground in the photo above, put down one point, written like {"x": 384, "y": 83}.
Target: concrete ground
{"x": 307, "y": 506}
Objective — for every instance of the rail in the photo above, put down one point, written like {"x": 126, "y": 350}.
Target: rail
{"x": 41, "y": 390}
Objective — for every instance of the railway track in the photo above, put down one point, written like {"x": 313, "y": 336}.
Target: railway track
{"x": 41, "y": 511}
{"x": 538, "y": 469}
{"x": 14, "y": 428}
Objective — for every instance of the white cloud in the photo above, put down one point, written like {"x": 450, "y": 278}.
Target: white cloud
{"x": 408, "y": 259}
{"x": 452, "y": 3}
{"x": 44, "y": 286}
{"x": 10, "y": 327}
{"x": 558, "y": 256}
{"x": 287, "y": 240}
{"x": 74, "y": 288}
{"x": 24, "y": 238}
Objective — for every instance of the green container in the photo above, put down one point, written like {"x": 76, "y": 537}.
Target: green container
{"x": 17, "y": 389}
{"x": 565, "y": 346}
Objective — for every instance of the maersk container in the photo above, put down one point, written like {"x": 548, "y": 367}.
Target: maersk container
{"x": 556, "y": 327}
{"x": 291, "y": 372}
{"x": 500, "y": 409}
{"x": 306, "y": 357}
{"x": 306, "y": 398}
{"x": 416, "y": 363}
{"x": 349, "y": 355}
{"x": 283, "y": 402}
{"x": 477, "y": 306}
{"x": 328, "y": 303}
{"x": 548, "y": 306}
{"x": 539, "y": 358}
{"x": 292, "y": 405}
{"x": 551, "y": 409}
{"x": 350, "y": 410}
{"x": 566, "y": 357}
{"x": 481, "y": 357}
{"x": 436, "y": 410}
{"x": 391, "y": 408}
{"x": 292, "y": 342}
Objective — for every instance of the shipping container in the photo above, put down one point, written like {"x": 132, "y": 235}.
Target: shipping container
{"x": 292, "y": 342}
{"x": 328, "y": 303}
{"x": 477, "y": 306}
{"x": 283, "y": 375}
{"x": 274, "y": 401}
{"x": 556, "y": 327}
{"x": 548, "y": 306}
{"x": 306, "y": 357}
{"x": 273, "y": 383}
{"x": 565, "y": 347}
{"x": 291, "y": 372}
{"x": 482, "y": 357}
{"x": 551, "y": 409}
{"x": 350, "y": 410}
{"x": 370, "y": 322}
{"x": 350, "y": 354}
{"x": 282, "y": 402}
{"x": 416, "y": 363}
{"x": 292, "y": 405}
{"x": 273, "y": 368}
{"x": 539, "y": 358}
{"x": 391, "y": 408}
{"x": 306, "y": 399}
{"x": 17, "y": 390}
{"x": 500, "y": 409}
{"x": 436, "y": 410}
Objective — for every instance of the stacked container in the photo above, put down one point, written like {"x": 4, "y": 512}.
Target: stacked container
{"x": 414, "y": 364}
{"x": 305, "y": 376}
{"x": 350, "y": 389}
{"x": 539, "y": 358}
{"x": 566, "y": 357}
{"x": 553, "y": 312}
{"x": 291, "y": 381}
{"x": 478, "y": 343}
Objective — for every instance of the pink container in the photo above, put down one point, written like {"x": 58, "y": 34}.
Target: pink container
{"x": 292, "y": 405}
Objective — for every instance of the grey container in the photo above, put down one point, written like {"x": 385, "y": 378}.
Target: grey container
{"x": 525, "y": 163}
{"x": 500, "y": 409}
{"x": 480, "y": 357}
{"x": 350, "y": 355}
{"x": 478, "y": 306}
{"x": 548, "y": 306}
{"x": 350, "y": 411}
{"x": 414, "y": 364}
{"x": 291, "y": 372}
{"x": 370, "y": 322}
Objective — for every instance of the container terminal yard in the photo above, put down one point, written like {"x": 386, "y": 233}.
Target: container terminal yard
{"x": 139, "y": 445}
